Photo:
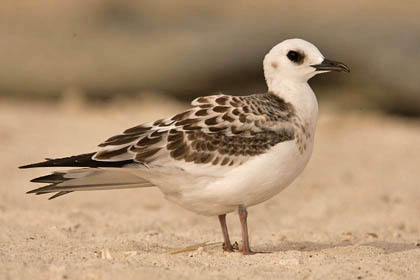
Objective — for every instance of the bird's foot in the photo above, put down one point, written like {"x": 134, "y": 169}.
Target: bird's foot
{"x": 231, "y": 247}
{"x": 227, "y": 248}
{"x": 249, "y": 252}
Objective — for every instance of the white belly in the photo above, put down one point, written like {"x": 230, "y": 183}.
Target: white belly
{"x": 258, "y": 179}
{"x": 251, "y": 183}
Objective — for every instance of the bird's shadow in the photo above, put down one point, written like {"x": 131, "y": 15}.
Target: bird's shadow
{"x": 308, "y": 246}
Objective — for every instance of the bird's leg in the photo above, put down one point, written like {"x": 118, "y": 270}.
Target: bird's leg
{"x": 243, "y": 214}
{"x": 227, "y": 246}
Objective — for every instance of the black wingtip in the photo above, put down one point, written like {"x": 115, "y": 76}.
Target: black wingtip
{"x": 47, "y": 163}
{"x": 83, "y": 160}
{"x": 26, "y": 166}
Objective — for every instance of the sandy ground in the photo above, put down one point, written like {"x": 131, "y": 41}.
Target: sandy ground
{"x": 353, "y": 214}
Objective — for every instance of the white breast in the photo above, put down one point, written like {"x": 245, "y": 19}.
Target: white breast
{"x": 249, "y": 184}
{"x": 260, "y": 178}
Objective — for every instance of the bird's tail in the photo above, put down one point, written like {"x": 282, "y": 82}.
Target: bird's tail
{"x": 87, "y": 179}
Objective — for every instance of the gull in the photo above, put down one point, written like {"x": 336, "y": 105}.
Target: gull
{"x": 224, "y": 154}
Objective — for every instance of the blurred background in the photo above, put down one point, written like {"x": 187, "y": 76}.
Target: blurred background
{"x": 73, "y": 73}
{"x": 104, "y": 49}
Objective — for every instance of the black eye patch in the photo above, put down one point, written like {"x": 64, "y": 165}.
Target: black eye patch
{"x": 295, "y": 56}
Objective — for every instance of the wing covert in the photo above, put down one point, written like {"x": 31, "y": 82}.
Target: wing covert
{"x": 219, "y": 130}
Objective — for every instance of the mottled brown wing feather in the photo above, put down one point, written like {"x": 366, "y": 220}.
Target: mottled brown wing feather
{"x": 218, "y": 130}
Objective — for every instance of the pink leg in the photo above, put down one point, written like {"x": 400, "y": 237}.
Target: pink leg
{"x": 227, "y": 246}
{"x": 243, "y": 214}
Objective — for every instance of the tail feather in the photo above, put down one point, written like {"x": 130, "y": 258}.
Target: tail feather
{"x": 87, "y": 179}
{"x": 56, "y": 177}
{"x": 59, "y": 194}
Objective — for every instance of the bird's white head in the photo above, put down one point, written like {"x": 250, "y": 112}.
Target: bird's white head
{"x": 296, "y": 60}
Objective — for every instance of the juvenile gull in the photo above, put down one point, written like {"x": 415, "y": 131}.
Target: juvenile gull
{"x": 225, "y": 153}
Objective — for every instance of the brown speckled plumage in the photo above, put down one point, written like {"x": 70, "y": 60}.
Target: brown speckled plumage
{"x": 218, "y": 130}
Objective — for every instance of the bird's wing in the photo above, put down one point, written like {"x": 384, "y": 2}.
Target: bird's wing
{"x": 217, "y": 133}
{"x": 218, "y": 130}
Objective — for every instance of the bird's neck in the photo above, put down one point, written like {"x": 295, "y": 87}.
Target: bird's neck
{"x": 300, "y": 95}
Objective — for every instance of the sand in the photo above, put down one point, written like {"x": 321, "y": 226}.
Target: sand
{"x": 354, "y": 213}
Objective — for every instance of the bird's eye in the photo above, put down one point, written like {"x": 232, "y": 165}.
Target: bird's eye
{"x": 294, "y": 56}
